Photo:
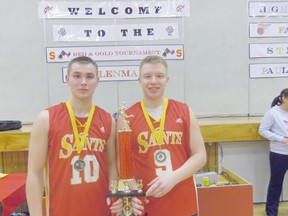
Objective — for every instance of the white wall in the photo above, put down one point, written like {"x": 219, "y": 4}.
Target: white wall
{"x": 250, "y": 160}
{"x": 213, "y": 78}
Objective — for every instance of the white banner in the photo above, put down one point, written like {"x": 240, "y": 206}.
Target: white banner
{"x": 267, "y": 9}
{"x": 268, "y": 50}
{"x": 102, "y": 9}
{"x": 260, "y": 30}
{"x": 113, "y": 73}
{"x": 268, "y": 70}
{"x": 115, "y": 53}
{"x": 131, "y": 32}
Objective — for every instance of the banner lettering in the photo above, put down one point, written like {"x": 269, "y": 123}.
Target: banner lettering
{"x": 268, "y": 50}
{"x": 132, "y": 32}
{"x": 113, "y": 73}
{"x": 261, "y": 30}
{"x": 115, "y": 53}
{"x": 103, "y": 9}
{"x": 267, "y": 9}
{"x": 268, "y": 70}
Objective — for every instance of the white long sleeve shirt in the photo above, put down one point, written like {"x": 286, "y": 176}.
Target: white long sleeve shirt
{"x": 274, "y": 127}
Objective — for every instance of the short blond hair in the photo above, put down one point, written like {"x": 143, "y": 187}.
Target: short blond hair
{"x": 153, "y": 60}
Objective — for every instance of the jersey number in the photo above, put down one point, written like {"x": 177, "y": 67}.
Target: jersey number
{"x": 91, "y": 170}
{"x": 162, "y": 159}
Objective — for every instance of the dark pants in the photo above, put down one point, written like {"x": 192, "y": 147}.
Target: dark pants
{"x": 278, "y": 168}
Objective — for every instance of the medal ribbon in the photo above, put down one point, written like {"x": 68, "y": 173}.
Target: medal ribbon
{"x": 79, "y": 142}
{"x": 158, "y": 136}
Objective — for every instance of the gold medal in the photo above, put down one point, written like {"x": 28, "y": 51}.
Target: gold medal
{"x": 160, "y": 156}
{"x": 79, "y": 165}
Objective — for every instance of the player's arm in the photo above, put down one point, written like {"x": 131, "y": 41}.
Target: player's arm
{"x": 198, "y": 152}
{"x": 37, "y": 157}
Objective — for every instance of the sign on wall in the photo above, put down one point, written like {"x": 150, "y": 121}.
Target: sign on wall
{"x": 115, "y": 53}
{"x": 268, "y": 50}
{"x": 267, "y": 9}
{"x": 131, "y": 32}
{"x": 268, "y": 70}
{"x": 113, "y": 73}
{"x": 261, "y": 30}
{"x": 103, "y": 9}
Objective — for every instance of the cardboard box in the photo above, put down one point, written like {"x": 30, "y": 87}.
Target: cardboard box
{"x": 232, "y": 195}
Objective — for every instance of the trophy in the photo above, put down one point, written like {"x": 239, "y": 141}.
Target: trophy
{"x": 126, "y": 175}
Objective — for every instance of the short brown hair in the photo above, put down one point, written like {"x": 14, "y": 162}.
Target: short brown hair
{"x": 82, "y": 60}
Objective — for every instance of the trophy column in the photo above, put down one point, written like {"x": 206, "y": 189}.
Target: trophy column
{"x": 126, "y": 173}
{"x": 125, "y": 151}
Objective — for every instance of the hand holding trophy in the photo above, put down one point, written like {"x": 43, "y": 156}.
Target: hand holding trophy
{"x": 126, "y": 173}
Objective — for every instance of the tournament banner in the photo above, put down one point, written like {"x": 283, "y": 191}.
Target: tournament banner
{"x": 261, "y": 30}
{"x": 268, "y": 50}
{"x": 113, "y": 73}
{"x": 131, "y": 32}
{"x": 268, "y": 70}
{"x": 103, "y": 9}
{"x": 268, "y": 9}
{"x": 115, "y": 53}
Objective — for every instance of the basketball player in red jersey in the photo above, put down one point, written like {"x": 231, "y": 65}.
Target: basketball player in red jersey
{"x": 167, "y": 146}
{"x": 74, "y": 143}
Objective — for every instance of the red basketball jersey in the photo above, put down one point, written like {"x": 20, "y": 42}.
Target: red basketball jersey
{"x": 70, "y": 191}
{"x": 149, "y": 161}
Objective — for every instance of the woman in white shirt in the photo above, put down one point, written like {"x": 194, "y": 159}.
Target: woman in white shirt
{"x": 274, "y": 127}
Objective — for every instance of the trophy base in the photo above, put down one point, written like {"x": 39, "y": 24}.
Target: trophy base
{"x": 121, "y": 194}
{"x": 126, "y": 196}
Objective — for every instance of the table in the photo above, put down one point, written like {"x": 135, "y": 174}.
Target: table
{"x": 12, "y": 192}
